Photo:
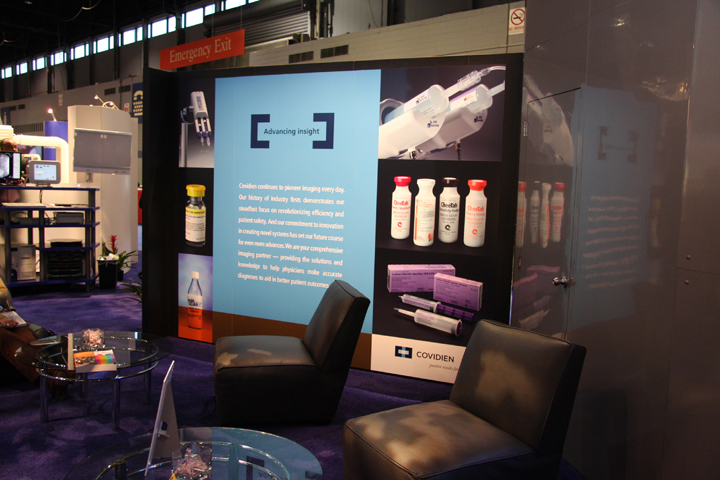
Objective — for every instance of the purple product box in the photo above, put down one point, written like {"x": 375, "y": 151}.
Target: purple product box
{"x": 458, "y": 291}
{"x": 415, "y": 278}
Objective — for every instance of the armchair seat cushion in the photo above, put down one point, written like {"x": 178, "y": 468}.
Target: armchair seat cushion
{"x": 435, "y": 440}
{"x": 257, "y": 375}
{"x": 274, "y": 379}
{"x": 233, "y": 354}
{"x": 506, "y": 417}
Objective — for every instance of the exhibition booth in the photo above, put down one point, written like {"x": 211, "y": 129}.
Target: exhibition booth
{"x": 267, "y": 184}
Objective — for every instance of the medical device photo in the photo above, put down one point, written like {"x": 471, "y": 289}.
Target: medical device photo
{"x": 436, "y": 119}
{"x": 195, "y": 114}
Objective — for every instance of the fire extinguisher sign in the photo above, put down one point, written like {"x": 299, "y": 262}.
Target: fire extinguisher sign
{"x": 516, "y": 23}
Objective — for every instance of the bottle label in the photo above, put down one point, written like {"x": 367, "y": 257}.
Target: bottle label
{"x": 424, "y": 220}
{"x": 448, "y": 215}
{"x": 544, "y": 224}
{"x": 195, "y": 220}
{"x": 520, "y": 222}
{"x": 400, "y": 218}
{"x": 534, "y": 221}
{"x": 557, "y": 214}
{"x": 195, "y": 304}
{"x": 475, "y": 225}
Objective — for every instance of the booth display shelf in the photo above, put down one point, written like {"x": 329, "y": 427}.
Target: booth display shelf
{"x": 80, "y": 257}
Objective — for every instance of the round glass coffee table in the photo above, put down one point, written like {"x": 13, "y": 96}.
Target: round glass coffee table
{"x": 237, "y": 454}
{"x": 136, "y": 353}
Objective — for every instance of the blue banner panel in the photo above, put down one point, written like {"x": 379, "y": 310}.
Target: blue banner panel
{"x": 295, "y": 190}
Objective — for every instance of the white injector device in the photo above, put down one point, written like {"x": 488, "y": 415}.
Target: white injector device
{"x": 200, "y": 113}
{"x": 434, "y": 120}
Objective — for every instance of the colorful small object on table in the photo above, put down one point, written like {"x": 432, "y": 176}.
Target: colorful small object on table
{"x": 93, "y": 339}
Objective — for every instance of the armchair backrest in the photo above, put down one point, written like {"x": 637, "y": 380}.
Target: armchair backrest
{"x": 334, "y": 330}
{"x": 521, "y": 382}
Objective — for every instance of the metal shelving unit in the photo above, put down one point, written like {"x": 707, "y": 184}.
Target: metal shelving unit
{"x": 41, "y": 223}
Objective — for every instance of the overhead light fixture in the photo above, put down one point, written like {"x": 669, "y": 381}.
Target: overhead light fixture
{"x": 50, "y": 111}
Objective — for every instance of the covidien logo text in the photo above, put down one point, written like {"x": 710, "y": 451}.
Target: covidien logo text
{"x": 256, "y": 128}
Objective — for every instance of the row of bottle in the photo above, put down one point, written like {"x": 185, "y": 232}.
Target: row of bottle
{"x": 449, "y": 212}
{"x": 545, "y": 216}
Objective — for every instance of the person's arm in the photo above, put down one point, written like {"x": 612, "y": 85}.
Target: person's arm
{"x": 5, "y": 297}
{"x": 6, "y": 322}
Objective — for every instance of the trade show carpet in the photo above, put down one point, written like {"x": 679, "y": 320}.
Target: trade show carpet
{"x": 79, "y": 427}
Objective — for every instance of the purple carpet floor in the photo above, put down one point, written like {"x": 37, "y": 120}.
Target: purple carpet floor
{"x": 79, "y": 426}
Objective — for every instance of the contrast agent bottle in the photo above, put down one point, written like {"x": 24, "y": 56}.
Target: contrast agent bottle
{"x": 195, "y": 302}
{"x": 535, "y": 213}
{"x": 195, "y": 216}
{"x": 424, "y": 213}
{"x": 449, "y": 211}
{"x": 401, "y": 207}
{"x": 475, "y": 214}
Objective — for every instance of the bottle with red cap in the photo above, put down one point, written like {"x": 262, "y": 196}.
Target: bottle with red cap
{"x": 475, "y": 214}
{"x": 401, "y": 207}
{"x": 557, "y": 208}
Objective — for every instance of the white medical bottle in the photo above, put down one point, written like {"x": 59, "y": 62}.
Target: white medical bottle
{"x": 424, "y": 213}
{"x": 545, "y": 215}
{"x": 521, "y": 212}
{"x": 449, "y": 211}
{"x": 475, "y": 214}
{"x": 534, "y": 212}
{"x": 195, "y": 216}
{"x": 401, "y": 207}
{"x": 194, "y": 302}
{"x": 557, "y": 208}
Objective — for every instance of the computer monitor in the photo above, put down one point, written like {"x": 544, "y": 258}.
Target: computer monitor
{"x": 10, "y": 166}
{"x": 43, "y": 172}
{"x": 102, "y": 151}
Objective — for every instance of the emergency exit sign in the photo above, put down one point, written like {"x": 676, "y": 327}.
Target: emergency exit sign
{"x": 206, "y": 50}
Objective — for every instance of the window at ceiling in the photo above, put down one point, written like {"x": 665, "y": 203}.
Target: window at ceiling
{"x": 6, "y": 72}
{"x": 233, "y": 4}
{"x": 39, "y": 63}
{"x": 79, "y": 51}
{"x": 158, "y": 28}
{"x": 128, "y": 36}
{"x": 194, "y": 17}
{"x": 104, "y": 44}
{"x": 21, "y": 68}
{"x": 58, "y": 57}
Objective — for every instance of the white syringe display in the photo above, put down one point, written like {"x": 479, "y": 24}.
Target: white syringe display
{"x": 430, "y": 103}
{"x": 433, "y": 320}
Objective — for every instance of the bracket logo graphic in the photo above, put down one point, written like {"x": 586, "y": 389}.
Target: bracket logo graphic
{"x": 327, "y": 118}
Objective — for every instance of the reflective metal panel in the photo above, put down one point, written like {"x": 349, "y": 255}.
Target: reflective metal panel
{"x": 542, "y": 274}
{"x": 546, "y": 20}
{"x": 693, "y": 420}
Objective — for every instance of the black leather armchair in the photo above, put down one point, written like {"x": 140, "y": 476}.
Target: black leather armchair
{"x": 506, "y": 418}
{"x": 267, "y": 378}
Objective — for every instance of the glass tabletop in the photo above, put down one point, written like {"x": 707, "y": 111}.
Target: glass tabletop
{"x": 236, "y": 454}
{"x": 130, "y": 349}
